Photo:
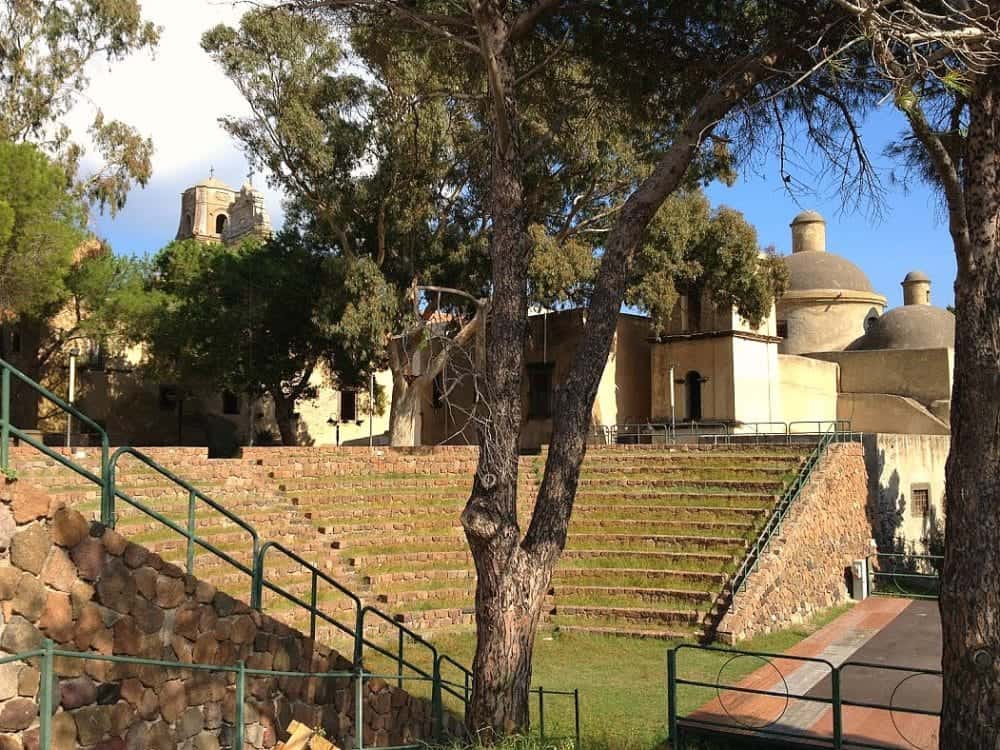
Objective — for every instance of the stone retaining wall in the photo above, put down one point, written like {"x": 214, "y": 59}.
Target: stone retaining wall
{"x": 83, "y": 586}
{"x": 805, "y": 570}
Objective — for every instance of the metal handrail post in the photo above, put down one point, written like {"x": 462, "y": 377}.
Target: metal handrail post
{"x": 107, "y": 477}
{"x": 241, "y": 688}
{"x": 191, "y": 532}
{"x": 5, "y": 418}
{"x": 359, "y": 709}
{"x": 437, "y": 699}
{"x": 314, "y": 599}
{"x": 399, "y": 659}
{"x": 576, "y": 715}
{"x": 45, "y": 698}
{"x": 541, "y": 714}
{"x": 672, "y": 697}
{"x": 838, "y": 728}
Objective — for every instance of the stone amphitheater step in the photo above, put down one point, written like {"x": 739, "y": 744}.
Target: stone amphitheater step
{"x": 630, "y": 632}
{"x": 633, "y": 615}
{"x": 656, "y": 533}
{"x": 570, "y": 595}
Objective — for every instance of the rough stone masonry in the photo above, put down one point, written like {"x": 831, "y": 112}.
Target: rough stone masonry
{"x": 88, "y": 589}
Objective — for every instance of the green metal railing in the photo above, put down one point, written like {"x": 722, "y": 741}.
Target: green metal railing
{"x": 240, "y": 672}
{"x": 905, "y": 575}
{"x": 256, "y": 570}
{"x": 575, "y": 695}
{"x": 788, "y": 499}
{"x": 9, "y": 429}
{"x": 714, "y": 720}
{"x": 109, "y": 514}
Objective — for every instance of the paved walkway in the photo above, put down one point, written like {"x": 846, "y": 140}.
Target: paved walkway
{"x": 878, "y": 631}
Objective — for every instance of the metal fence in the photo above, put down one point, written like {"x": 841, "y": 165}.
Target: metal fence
{"x": 715, "y": 433}
{"x": 764, "y": 706}
{"x": 256, "y": 571}
{"x": 46, "y": 656}
{"x": 905, "y": 575}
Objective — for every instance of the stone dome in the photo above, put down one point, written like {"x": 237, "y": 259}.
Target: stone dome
{"x": 821, "y": 270}
{"x": 910, "y": 327}
{"x": 916, "y": 276}
{"x": 808, "y": 216}
{"x": 214, "y": 183}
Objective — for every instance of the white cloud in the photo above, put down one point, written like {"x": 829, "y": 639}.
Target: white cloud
{"x": 174, "y": 96}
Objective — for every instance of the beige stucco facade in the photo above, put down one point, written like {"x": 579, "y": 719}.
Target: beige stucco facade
{"x": 823, "y": 320}
{"x": 898, "y": 466}
{"x": 808, "y": 388}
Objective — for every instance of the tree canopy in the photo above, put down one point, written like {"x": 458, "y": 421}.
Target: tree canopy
{"x": 41, "y": 225}
{"x": 46, "y": 48}
{"x": 271, "y": 318}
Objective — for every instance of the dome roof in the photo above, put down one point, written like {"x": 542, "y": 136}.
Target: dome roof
{"x": 214, "y": 183}
{"x": 808, "y": 216}
{"x": 916, "y": 276}
{"x": 819, "y": 270}
{"x": 910, "y": 327}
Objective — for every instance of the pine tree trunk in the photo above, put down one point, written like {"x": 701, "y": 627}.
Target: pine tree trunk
{"x": 970, "y": 594}
{"x": 510, "y": 585}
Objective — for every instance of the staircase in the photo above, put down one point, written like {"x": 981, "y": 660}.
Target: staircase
{"x": 657, "y": 531}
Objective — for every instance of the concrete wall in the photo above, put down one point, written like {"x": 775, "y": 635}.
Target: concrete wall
{"x": 886, "y": 412}
{"x": 808, "y": 388}
{"x": 825, "y": 321}
{"x": 921, "y": 374}
{"x": 896, "y": 465}
{"x": 804, "y": 571}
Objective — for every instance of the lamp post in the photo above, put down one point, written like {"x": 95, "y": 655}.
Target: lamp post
{"x": 73, "y": 354}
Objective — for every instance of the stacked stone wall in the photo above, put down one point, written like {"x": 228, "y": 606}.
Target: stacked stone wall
{"x": 806, "y": 569}
{"x": 86, "y": 588}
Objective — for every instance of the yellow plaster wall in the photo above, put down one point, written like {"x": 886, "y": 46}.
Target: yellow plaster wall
{"x": 712, "y": 358}
{"x": 921, "y": 374}
{"x": 808, "y": 388}
{"x": 886, "y": 412}
{"x": 756, "y": 383}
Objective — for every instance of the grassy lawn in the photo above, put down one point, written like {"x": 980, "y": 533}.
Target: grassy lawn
{"x": 622, "y": 681}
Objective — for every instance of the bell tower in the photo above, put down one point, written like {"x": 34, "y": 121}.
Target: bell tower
{"x": 205, "y": 210}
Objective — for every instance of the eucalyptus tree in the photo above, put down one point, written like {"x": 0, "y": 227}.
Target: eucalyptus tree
{"x": 941, "y": 64}
{"x": 47, "y": 48}
{"x": 581, "y": 119}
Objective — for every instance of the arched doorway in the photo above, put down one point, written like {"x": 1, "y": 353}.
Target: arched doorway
{"x": 220, "y": 223}
{"x": 693, "y": 383}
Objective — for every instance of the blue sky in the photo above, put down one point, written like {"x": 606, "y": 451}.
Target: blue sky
{"x": 177, "y": 97}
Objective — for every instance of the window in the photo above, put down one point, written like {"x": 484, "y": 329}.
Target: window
{"x": 693, "y": 382}
{"x": 230, "y": 402}
{"x": 782, "y": 329}
{"x": 168, "y": 397}
{"x": 920, "y": 501}
{"x": 540, "y": 391}
{"x": 348, "y": 406}
{"x": 95, "y": 356}
{"x": 871, "y": 319}
{"x": 220, "y": 223}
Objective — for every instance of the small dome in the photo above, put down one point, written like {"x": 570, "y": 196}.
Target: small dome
{"x": 807, "y": 217}
{"x": 214, "y": 183}
{"x": 910, "y": 327}
{"x": 916, "y": 276}
{"x": 818, "y": 270}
